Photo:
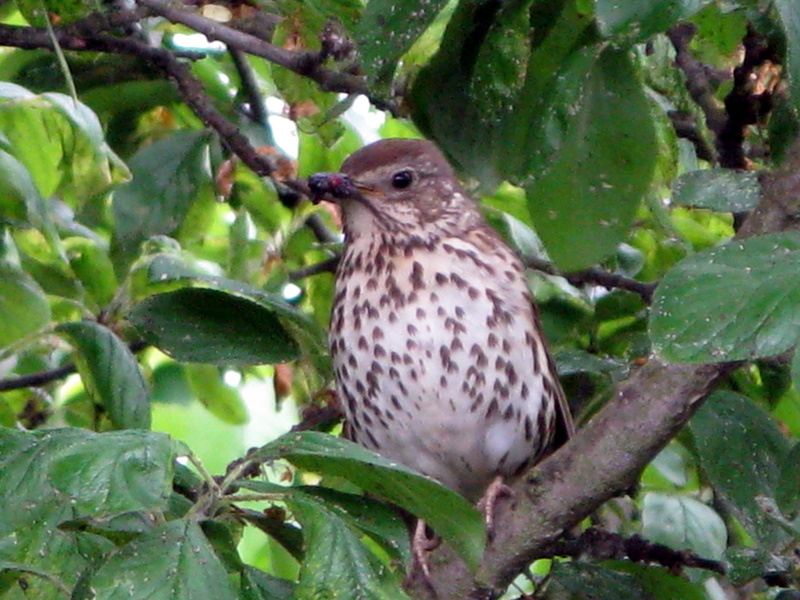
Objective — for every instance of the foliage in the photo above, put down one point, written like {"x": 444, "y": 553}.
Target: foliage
{"x": 153, "y": 239}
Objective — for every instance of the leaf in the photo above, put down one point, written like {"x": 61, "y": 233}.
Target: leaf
{"x": 168, "y": 178}
{"x": 257, "y": 585}
{"x": 683, "y": 523}
{"x": 787, "y": 494}
{"x": 222, "y": 400}
{"x": 7, "y": 565}
{"x": 637, "y": 20}
{"x": 59, "y": 141}
{"x": 659, "y": 582}
{"x": 336, "y": 560}
{"x": 46, "y": 477}
{"x": 387, "y": 30}
{"x": 790, "y": 20}
{"x": 110, "y": 373}
{"x": 741, "y": 451}
{"x": 17, "y": 190}
{"x": 107, "y": 473}
{"x": 450, "y": 515}
{"x": 746, "y": 564}
{"x": 602, "y": 167}
{"x": 381, "y": 522}
{"x": 23, "y": 306}
{"x": 173, "y": 562}
{"x": 92, "y": 265}
{"x": 734, "y": 302}
{"x": 722, "y": 190}
{"x": 595, "y": 582}
{"x": 502, "y": 61}
{"x": 574, "y": 361}
{"x": 222, "y": 326}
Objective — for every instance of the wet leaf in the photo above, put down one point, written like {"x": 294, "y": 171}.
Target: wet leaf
{"x": 450, "y": 515}
{"x": 741, "y": 450}
{"x": 173, "y": 562}
{"x": 734, "y": 302}
{"x": 722, "y": 190}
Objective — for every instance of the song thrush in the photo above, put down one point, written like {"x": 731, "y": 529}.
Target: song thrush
{"x": 439, "y": 357}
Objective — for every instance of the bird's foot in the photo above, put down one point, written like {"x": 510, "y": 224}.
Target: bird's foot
{"x": 497, "y": 489}
{"x": 421, "y": 545}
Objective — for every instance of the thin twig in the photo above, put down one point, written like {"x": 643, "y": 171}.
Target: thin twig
{"x": 609, "y": 280}
{"x": 597, "y": 276}
{"x": 325, "y": 266}
{"x": 305, "y": 63}
{"x": 48, "y": 376}
{"x": 599, "y": 544}
{"x": 255, "y": 99}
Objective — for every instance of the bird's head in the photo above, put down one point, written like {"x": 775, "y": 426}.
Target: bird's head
{"x": 402, "y": 187}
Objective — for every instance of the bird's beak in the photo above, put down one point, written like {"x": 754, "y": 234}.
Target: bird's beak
{"x": 334, "y": 186}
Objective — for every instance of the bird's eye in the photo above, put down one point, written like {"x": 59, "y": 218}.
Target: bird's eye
{"x": 402, "y": 179}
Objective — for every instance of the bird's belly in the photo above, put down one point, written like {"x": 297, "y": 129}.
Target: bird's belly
{"x": 444, "y": 382}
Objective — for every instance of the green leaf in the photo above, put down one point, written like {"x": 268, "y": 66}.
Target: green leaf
{"x": 637, "y": 20}
{"x": 593, "y": 581}
{"x": 741, "y": 451}
{"x": 659, "y": 583}
{"x": 110, "y": 373}
{"x": 746, "y": 564}
{"x": 722, "y": 190}
{"x": 683, "y": 523}
{"x": 502, "y": 60}
{"x": 94, "y": 474}
{"x": 173, "y": 562}
{"x": 222, "y": 400}
{"x": 60, "y": 142}
{"x": 134, "y": 474}
{"x": 450, "y": 515}
{"x": 336, "y": 560}
{"x": 7, "y": 565}
{"x": 229, "y": 325}
{"x": 787, "y": 494}
{"x": 17, "y": 190}
{"x": 387, "y": 30}
{"x": 571, "y": 361}
{"x": 257, "y": 585}
{"x": 168, "y": 178}
{"x": 91, "y": 263}
{"x": 23, "y": 306}
{"x": 735, "y": 302}
{"x": 601, "y": 168}
{"x": 381, "y": 522}
{"x": 790, "y": 20}
{"x": 51, "y": 476}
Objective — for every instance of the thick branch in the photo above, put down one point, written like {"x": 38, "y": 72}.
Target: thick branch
{"x": 700, "y": 87}
{"x": 603, "y": 460}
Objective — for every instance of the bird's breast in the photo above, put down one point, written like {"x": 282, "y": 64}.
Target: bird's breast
{"x": 438, "y": 359}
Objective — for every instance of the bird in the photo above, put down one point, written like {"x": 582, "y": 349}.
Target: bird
{"x": 439, "y": 358}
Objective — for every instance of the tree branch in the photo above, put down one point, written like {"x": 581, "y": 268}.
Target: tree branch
{"x": 305, "y": 63}
{"x": 698, "y": 83}
{"x": 50, "y": 375}
{"x": 604, "y": 459}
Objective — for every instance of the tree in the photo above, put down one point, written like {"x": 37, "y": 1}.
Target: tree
{"x": 642, "y": 157}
